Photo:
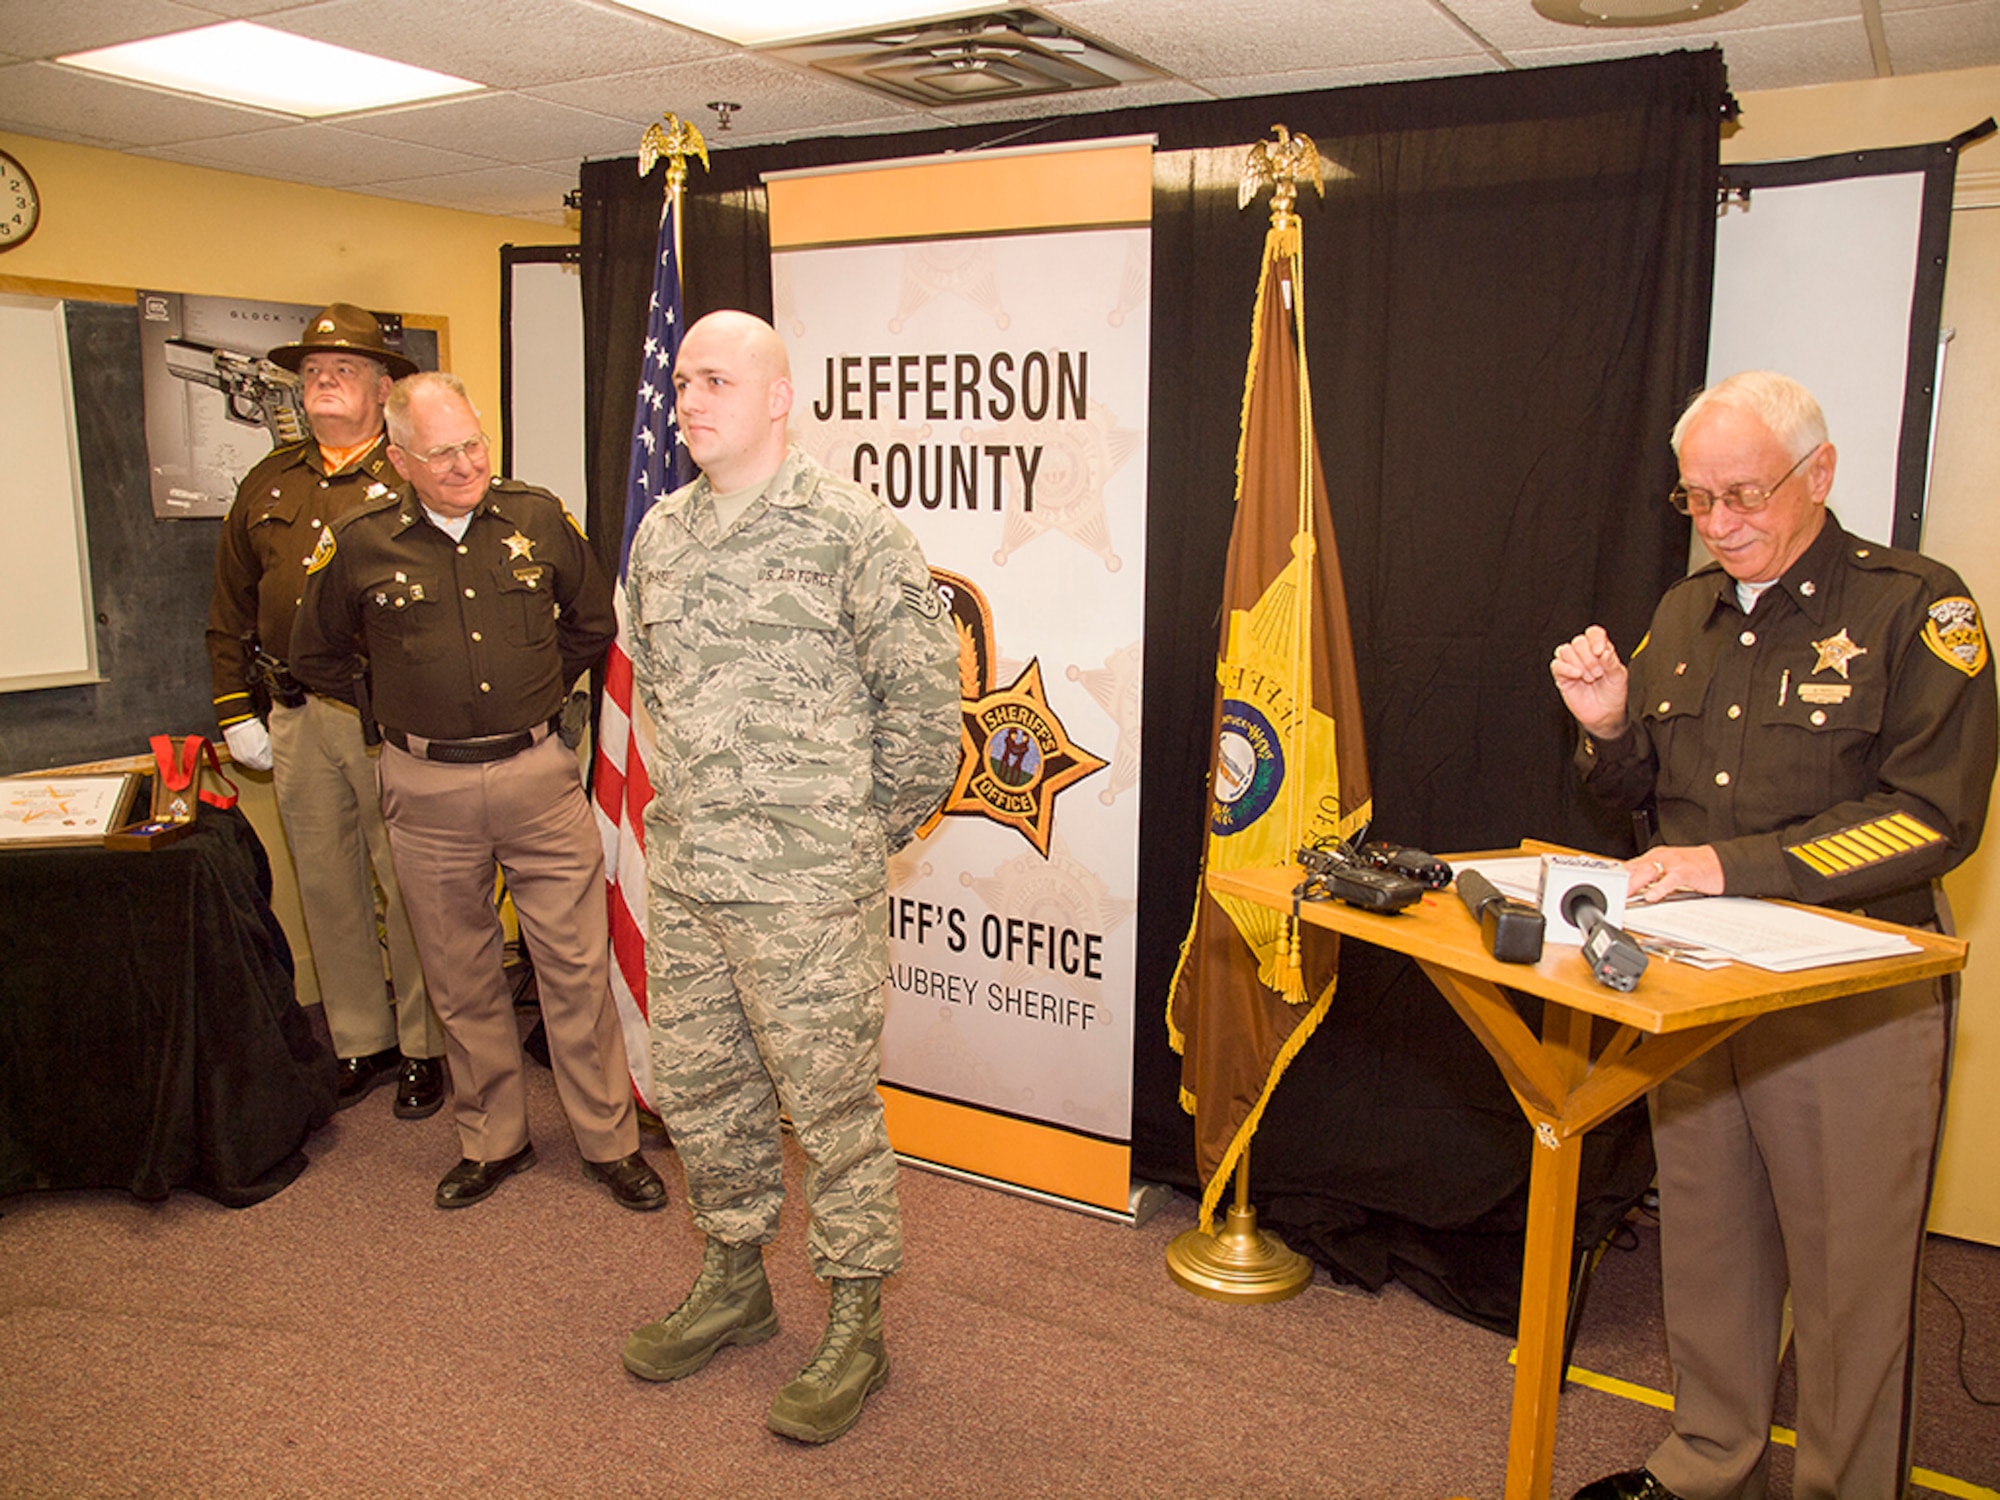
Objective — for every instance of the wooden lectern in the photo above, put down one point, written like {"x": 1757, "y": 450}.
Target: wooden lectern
{"x": 1599, "y": 1050}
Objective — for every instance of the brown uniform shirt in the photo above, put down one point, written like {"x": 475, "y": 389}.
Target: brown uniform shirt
{"x": 461, "y": 639}
{"x": 268, "y": 537}
{"x": 1836, "y": 745}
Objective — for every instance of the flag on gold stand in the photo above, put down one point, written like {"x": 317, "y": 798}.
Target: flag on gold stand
{"x": 1289, "y": 763}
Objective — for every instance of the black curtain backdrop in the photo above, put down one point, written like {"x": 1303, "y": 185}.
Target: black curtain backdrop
{"x": 1507, "y": 305}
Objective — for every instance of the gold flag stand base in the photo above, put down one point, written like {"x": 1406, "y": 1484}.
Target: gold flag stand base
{"x": 1240, "y": 1263}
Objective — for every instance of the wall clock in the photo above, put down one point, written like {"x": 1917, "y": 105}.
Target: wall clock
{"x": 20, "y": 203}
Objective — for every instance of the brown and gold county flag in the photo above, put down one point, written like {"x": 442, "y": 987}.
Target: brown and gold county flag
{"x": 1289, "y": 766}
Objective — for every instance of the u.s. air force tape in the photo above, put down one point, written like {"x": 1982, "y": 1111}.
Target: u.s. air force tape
{"x": 1864, "y": 844}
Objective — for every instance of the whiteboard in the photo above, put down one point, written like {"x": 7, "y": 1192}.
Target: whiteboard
{"x": 48, "y": 637}
{"x": 1831, "y": 270}
{"x": 541, "y": 421}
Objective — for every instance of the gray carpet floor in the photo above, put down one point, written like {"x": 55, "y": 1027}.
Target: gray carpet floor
{"x": 346, "y": 1339}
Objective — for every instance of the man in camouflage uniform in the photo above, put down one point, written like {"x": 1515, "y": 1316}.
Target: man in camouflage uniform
{"x": 802, "y": 677}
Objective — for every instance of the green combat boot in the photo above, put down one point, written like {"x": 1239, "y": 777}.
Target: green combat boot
{"x": 826, "y": 1398}
{"x": 729, "y": 1303}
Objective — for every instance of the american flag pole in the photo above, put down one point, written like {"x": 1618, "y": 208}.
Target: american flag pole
{"x": 659, "y": 465}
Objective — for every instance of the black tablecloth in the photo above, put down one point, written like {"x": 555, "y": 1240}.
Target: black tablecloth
{"x": 150, "y": 1038}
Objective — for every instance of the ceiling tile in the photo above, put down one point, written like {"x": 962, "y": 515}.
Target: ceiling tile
{"x": 1515, "y": 25}
{"x": 40, "y": 28}
{"x": 1776, "y": 57}
{"x": 316, "y": 153}
{"x": 1268, "y": 36}
{"x": 1473, "y": 61}
{"x": 503, "y": 43}
{"x": 514, "y": 191}
{"x": 1943, "y": 38}
{"x": 777, "y": 100}
{"x": 66, "y": 105}
{"x": 503, "y": 127}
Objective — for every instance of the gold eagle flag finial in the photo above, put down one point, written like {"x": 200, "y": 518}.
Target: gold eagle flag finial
{"x": 1281, "y": 165}
{"x": 676, "y": 142}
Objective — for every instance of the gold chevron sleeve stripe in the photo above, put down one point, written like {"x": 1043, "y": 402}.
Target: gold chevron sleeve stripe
{"x": 1894, "y": 837}
{"x": 1923, "y": 833}
{"x": 1864, "y": 844}
{"x": 1878, "y": 845}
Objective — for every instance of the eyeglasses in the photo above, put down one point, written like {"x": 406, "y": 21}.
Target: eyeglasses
{"x": 1744, "y": 499}
{"x": 442, "y": 460}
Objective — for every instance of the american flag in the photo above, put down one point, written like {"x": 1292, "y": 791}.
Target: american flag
{"x": 621, "y": 788}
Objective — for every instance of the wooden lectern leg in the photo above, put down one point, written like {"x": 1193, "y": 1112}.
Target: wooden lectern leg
{"x": 1545, "y": 1273}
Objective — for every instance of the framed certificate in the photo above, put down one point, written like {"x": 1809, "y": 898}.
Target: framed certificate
{"x": 40, "y": 811}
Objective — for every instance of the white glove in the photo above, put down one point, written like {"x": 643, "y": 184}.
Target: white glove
{"x": 249, "y": 744}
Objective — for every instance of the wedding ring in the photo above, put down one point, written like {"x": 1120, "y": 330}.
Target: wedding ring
{"x": 1659, "y": 870}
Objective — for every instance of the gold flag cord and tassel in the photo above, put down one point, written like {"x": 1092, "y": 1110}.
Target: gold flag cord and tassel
{"x": 1241, "y": 1262}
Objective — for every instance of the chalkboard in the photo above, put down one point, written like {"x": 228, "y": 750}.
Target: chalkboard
{"x": 150, "y": 580}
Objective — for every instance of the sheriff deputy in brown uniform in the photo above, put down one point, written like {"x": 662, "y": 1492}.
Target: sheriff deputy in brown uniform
{"x": 473, "y": 602}
{"x": 322, "y": 772}
{"x": 1814, "y": 716}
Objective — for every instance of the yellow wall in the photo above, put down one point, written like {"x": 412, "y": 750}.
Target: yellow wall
{"x": 126, "y": 221}
{"x": 1963, "y": 525}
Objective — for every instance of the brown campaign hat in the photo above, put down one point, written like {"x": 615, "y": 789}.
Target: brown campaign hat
{"x": 343, "y": 329}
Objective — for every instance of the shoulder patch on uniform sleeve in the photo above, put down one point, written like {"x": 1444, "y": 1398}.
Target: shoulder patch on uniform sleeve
{"x": 1955, "y": 634}
{"x": 923, "y": 598}
{"x": 1863, "y": 844}
{"x": 323, "y": 553}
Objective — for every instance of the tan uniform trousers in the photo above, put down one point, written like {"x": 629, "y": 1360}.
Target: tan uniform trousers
{"x": 450, "y": 825}
{"x": 1798, "y": 1155}
{"x": 327, "y": 799}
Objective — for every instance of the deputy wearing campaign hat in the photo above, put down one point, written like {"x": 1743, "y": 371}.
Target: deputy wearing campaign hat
{"x": 323, "y": 774}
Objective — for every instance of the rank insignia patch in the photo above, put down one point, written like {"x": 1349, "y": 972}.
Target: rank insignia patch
{"x": 1864, "y": 844}
{"x": 1954, "y": 633}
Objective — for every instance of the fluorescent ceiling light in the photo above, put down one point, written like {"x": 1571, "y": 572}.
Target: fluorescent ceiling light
{"x": 247, "y": 64}
{"x": 794, "y": 20}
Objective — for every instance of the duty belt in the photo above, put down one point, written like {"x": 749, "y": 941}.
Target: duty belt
{"x": 489, "y": 747}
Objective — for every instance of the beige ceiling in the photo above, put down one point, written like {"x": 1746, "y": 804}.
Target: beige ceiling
{"x": 568, "y": 80}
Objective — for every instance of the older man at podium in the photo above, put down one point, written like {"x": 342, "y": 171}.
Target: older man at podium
{"x": 1812, "y": 717}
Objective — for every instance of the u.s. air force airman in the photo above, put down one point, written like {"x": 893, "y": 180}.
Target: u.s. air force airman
{"x": 802, "y": 677}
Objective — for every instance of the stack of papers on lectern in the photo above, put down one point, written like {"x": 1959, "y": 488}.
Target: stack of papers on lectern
{"x": 1764, "y": 934}
{"x": 1705, "y": 929}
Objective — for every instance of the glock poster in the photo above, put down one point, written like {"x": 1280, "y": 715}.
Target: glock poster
{"x": 215, "y": 403}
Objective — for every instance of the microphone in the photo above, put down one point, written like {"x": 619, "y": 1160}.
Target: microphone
{"x": 1511, "y": 930}
{"x": 1615, "y": 959}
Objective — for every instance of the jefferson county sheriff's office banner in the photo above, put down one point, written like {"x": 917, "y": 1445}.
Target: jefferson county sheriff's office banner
{"x": 969, "y": 340}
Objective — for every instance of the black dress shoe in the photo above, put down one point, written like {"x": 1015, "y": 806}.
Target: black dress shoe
{"x": 419, "y": 1088}
{"x": 1633, "y": 1484}
{"x": 633, "y": 1183}
{"x": 358, "y": 1075}
{"x": 470, "y": 1181}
